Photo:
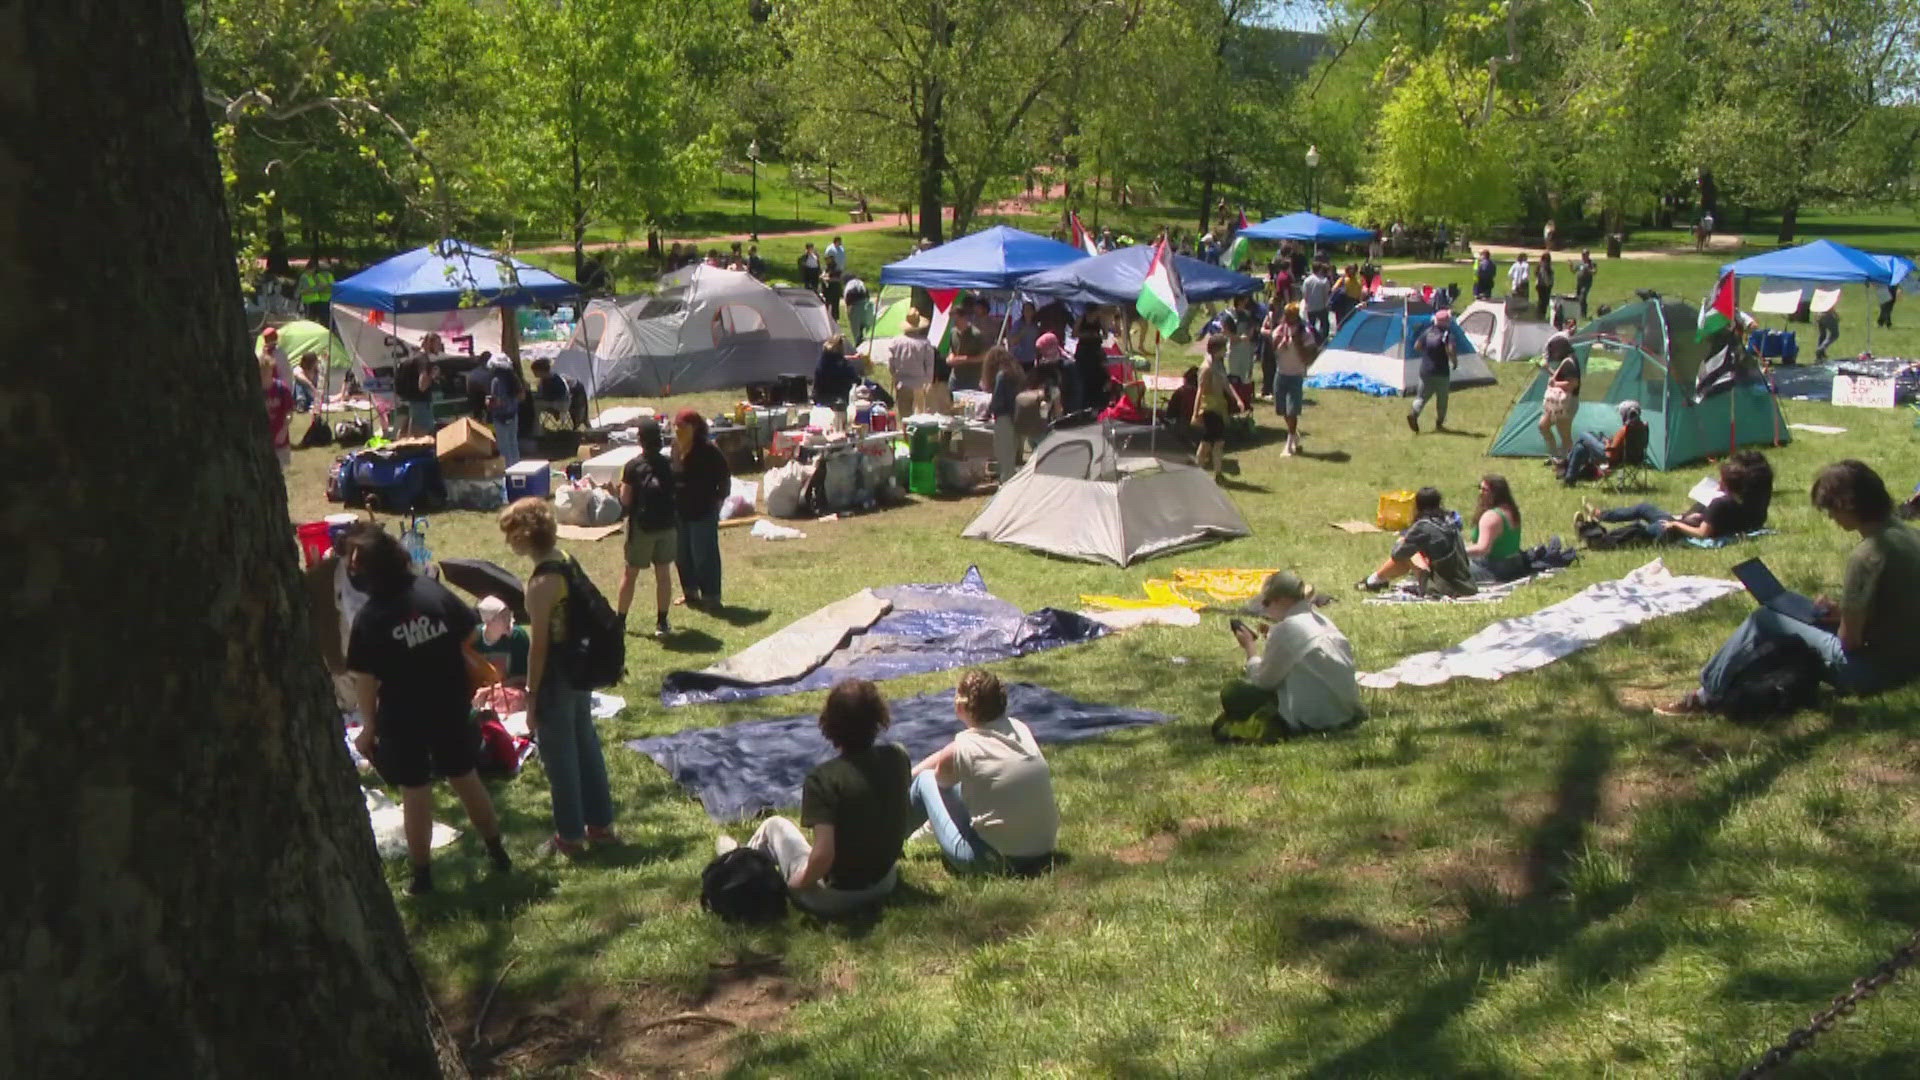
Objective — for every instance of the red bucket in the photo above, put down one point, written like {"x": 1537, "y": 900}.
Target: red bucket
{"x": 316, "y": 542}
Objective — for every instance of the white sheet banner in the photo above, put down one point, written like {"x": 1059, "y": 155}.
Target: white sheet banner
{"x": 379, "y": 339}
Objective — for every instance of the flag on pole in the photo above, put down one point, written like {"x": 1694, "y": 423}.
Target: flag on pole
{"x": 1718, "y": 312}
{"x": 942, "y": 316}
{"x": 1083, "y": 239}
{"x": 1162, "y": 301}
{"x": 1241, "y": 224}
{"x": 1237, "y": 251}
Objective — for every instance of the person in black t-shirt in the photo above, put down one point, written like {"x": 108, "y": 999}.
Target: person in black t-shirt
{"x": 407, "y": 651}
{"x": 1746, "y": 485}
{"x": 653, "y": 524}
{"x": 1436, "y": 348}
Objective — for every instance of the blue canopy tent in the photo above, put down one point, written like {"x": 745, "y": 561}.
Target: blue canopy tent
{"x": 1821, "y": 260}
{"x": 1305, "y": 226}
{"x": 444, "y": 276}
{"x": 1116, "y": 277}
{"x": 998, "y": 258}
{"x": 1898, "y": 266}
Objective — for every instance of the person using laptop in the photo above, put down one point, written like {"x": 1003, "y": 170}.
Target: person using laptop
{"x": 1867, "y": 642}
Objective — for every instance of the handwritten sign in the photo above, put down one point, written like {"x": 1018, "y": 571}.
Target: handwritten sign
{"x": 1863, "y": 391}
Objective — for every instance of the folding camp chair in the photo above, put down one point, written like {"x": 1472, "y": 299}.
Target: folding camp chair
{"x": 1631, "y": 473}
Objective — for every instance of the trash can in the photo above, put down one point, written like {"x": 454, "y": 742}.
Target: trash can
{"x": 1614, "y": 241}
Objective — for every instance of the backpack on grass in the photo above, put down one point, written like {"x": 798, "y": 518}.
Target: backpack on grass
{"x": 1782, "y": 677}
{"x": 744, "y": 886}
{"x": 595, "y": 652}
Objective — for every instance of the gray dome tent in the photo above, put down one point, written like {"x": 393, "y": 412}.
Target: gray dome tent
{"x": 1098, "y": 493}
{"x": 706, "y": 329}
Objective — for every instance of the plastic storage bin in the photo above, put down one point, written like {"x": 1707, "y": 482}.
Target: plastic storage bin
{"x": 532, "y": 478}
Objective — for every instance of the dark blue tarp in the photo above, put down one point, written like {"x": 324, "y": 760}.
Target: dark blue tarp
{"x": 997, "y": 258}
{"x": 1115, "y": 278}
{"x": 447, "y": 276}
{"x": 931, "y": 628}
{"x": 1305, "y": 226}
{"x": 741, "y": 769}
{"x": 1821, "y": 260}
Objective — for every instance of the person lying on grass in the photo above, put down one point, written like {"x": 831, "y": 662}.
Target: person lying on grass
{"x": 855, "y": 804}
{"x": 406, "y": 651}
{"x": 1301, "y": 679}
{"x": 987, "y": 796}
{"x": 1430, "y": 549}
{"x": 1746, "y": 486}
{"x": 1870, "y": 640}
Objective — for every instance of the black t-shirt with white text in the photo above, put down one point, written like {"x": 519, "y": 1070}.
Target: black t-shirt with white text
{"x": 1432, "y": 345}
{"x": 410, "y": 641}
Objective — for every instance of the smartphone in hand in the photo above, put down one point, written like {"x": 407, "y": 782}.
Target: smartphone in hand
{"x": 1239, "y": 628}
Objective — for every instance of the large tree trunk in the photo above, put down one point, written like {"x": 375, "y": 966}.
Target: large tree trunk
{"x": 933, "y": 163}
{"x": 191, "y": 889}
{"x": 1789, "y": 221}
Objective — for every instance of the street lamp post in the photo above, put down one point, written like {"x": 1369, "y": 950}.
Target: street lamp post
{"x": 753, "y": 155}
{"x": 1313, "y": 165}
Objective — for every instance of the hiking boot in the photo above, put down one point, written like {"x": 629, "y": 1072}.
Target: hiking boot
{"x": 602, "y": 836}
{"x": 497, "y": 853}
{"x": 422, "y": 882}
{"x": 1413, "y": 423}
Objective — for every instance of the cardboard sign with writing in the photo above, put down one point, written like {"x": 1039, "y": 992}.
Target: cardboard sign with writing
{"x": 1863, "y": 391}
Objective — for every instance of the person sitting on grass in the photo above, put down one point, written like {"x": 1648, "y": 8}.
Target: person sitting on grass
{"x": 1493, "y": 540}
{"x": 559, "y": 711}
{"x": 1870, "y": 640}
{"x": 1746, "y": 493}
{"x": 1628, "y": 445}
{"x": 502, "y": 642}
{"x": 406, "y": 650}
{"x": 855, "y": 804}
{"x": 987, "y": 796}
{"x": 1300, "y": 680}
{"x": 1179, "y": 408}
{"x": 1431, "y": 549}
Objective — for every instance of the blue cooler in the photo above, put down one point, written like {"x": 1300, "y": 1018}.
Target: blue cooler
{"x": 532, "y": 478}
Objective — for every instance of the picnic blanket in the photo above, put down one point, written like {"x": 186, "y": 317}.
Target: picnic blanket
{"x": 739, "y": 770}
{"x": 1411, "y": 594}
{"x": 1351, "y": 380}
{"x": 1711, "y": 542}
{"x": 1228, "y": 587}
{"x": 1531, "y": 641}
{"x": 926, "y": 628}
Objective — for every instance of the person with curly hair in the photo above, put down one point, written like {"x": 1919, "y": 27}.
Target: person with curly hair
{"x": 855, "y": 805}
{"x": 1746, "y": 494}
{"x": 1867, "y": 642}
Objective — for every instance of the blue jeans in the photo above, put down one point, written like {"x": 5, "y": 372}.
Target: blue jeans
{"x": 302, "y": 398}
{"x": 1289, "y": 394}
{"x": 1654, "y": 518}
{"x": 1850, "y": 673}
{"x": 1587, "y": 453}
{"x": 506, "y": 436}
{"x": 699, "y": 557}
{"x": 570, "y": 750}
{"x": 951, "y": 824}
{"x": 1436, "y": 387}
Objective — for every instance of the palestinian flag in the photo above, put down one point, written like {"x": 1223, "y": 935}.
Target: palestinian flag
{"x": 1083, "y": 239}
{"x": 1718, "y": 312}
{"x": 1162, "y": 301}
{"x": 942, "y": 317}
{"x": 1236, "y": 251}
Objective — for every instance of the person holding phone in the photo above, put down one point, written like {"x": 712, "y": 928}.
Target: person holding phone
{"x": 1300, "y": 673}
{"x": 1867, "y": 642}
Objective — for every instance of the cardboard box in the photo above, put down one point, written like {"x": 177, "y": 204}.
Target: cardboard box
{"x": 464, "y": 439}
{"x": 492, "y": 468}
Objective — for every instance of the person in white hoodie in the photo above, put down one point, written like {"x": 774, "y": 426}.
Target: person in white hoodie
{"x": 1299, "y": 679}
{"x": 1518, "y": 275}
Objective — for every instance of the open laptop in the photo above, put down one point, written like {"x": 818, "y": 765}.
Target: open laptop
{"x": 1769, "y": 593}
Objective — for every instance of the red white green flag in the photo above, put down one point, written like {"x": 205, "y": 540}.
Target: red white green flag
{"x": 1718, "y": 312}
{"x": 1162, "y": 301}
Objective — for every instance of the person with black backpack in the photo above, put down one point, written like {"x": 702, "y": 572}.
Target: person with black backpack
{"x": 566, "y": 660}
{"x": 653, "y": 524}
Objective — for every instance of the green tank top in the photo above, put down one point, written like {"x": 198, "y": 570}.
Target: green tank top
{"x": 1508, "y": 545}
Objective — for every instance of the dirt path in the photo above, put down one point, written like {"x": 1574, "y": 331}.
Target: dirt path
{"x": 1722, "y": 242}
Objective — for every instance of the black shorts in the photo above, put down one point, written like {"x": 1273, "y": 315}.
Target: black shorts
{"x": 1213, "y": 426}
{"x": 413, "y": 753}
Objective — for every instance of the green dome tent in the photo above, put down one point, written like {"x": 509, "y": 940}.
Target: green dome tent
{"x": 302, "y": 338}
{"x": 1689, "y": 417}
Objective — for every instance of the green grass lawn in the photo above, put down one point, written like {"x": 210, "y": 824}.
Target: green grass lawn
{"x": 1524, "y": 878}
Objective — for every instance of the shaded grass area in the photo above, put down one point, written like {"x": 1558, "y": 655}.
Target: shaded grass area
{"x": 1528, "y": 877}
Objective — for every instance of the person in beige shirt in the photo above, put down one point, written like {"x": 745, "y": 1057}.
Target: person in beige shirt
{"x": 910, "y": 362}
{"x": 987, "y": 796}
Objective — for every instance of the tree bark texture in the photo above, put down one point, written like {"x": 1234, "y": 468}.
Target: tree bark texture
{"x": 191, "y": 889}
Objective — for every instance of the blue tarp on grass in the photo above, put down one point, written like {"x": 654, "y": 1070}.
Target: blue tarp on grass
{"x": 741, "y": 769}
{"x": 931, "y": 628}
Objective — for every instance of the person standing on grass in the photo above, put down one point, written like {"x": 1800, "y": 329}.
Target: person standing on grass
{"x": 856, "y": 806}
{"x": 1295, "y": 347}
{"x": 1828, "y": 325}
{"x": 809, "y": 263}
{"x": 756, "y": 266}
{"x": 701, "y": 482}
{"x": 1885, "y": 294}
{"x": 1241, "y": 331}
{"x": 967, "y": 348}
{"x": 910, "y": 360}
{"x": 859, "y": 311}
{"x": 1007, "y": 378}
{"x": 1087, "y": 382}
{"x": 987, "y": 796}
{"x": 1561, "y": 401}
{"x": 279, "y": 403}
{"x": 1543, "y": 288}
{"x": 1483, "y": 273}
{"x": 1583, "y": 272}
{"x": 1437, "y": 361}
{"x": 503, "y": 408}
{"x": 837, "y": 257}
{"x": 559, "y": 711}
{"x": 1300, "y": 679}
{"x": 1869, "y": 641}
{"x": 1210, "y": 408}
{"x": 832, "y": 288}
{"x": 406, "y": 650}
{"x": 1316, "y": 297}
{"x": 1518, "y": 275}
{"x": 653, "y": 535}
{"x": 1431, "y": 549}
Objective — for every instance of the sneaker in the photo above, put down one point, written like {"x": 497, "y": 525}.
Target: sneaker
{"x": 1438, "y": 426}
{"x": 661, "y": 628}
{"x": 603, "y": 836}
{"x": 422, "y": 882}
{"x": 497, "y": 852}
{"x": 1413, "y": 423}
{"x": 556, "y": 846}
{"x": 723, "y": 844}
{"x": 1689, "y": 704}
{"x": 1368, "y": 585}
{"x": 1287, "y": 451}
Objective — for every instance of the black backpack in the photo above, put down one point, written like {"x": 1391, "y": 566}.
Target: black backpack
{"x": 653, "y": 503}
{"x": 744, "y": 886}
{"x": 595, "y": 652}
{"x": 1782, "y": 677}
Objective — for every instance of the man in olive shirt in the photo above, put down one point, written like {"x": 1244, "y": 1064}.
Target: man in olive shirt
{"x": 970, "y": 344}
{"x": 1870, "y": 640}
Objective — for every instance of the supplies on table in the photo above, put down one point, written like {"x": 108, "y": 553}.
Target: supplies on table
{"x": 625, "y": 416}
{"x": 530, "y": 479}
{"x": 736, "y": 443}
{"x": 605, "y": 469}
{"x": 965, "y": 457}
{"x": 972, "y": 405}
